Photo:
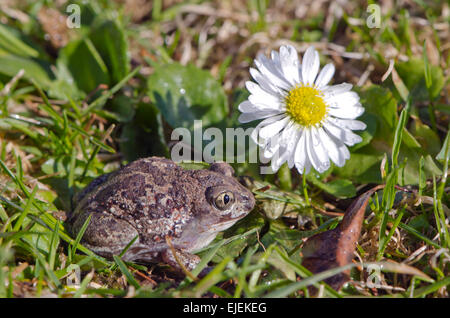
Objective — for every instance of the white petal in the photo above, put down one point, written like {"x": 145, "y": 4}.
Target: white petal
{"x": 310, "y": 65}
{"x": 348, "y": 123}
{"x": 300, "y": 152}
{"x": 320, "y": 150}
{"x": 271, "y": 146}
{"x": 264, "y": 82}
{"x": 256, "y": 115}
{"x": 342, "y": 100}
{"x": 255, "y": 133}
{"x": 334, "y": 90}
{"x": 334, "y": 149}
{"x": 343, "y": 134}
{"x": 277, "y": 160}
{"x": 288, "y": 140}
{"x": 350, "y": 112}
{"x": 266, "y": 103}
{"x": 273, "y": 74}
{"x": 273, "y": 128}
{"x": 248, "y": 107}
{"x": 261, "y": 97}
{"x": 289, "y": 64}
{"x": 316, "y": 154}
{"x": 276, "y": 60}
{"x": 325, "y": 75}
{"x": 307, "y": 165}
{"x": 291, "y": 146}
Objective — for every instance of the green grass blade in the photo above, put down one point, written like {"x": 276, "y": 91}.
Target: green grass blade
{"x": 391, "y": 232}
{"x": 292, "y": 288}
{"x": 423, "y": 291}
{"x": 54, "y": 243}
{"x": 212, "y": 278}
{"x": 84, "y": 283}
{"x": 79, "y": 236}
{"x": 123, "y": 268}
{"x": 419, "y": 235}
{"x": 25, "y": 211}
{"x": 104, "y": 97}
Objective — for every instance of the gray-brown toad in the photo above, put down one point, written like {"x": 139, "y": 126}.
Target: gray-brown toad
{"x": 153, "y": 198}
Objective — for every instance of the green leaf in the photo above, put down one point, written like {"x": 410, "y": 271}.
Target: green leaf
{"x": 278, "y": 262}
{"x": 340, "y": 188}
{"x": 283, "y": 235}
{"x": 382, "y": 105}
{"x": 35, "y": 69}
{"x": 364, "y": 163}
{"x": 445, "y": 151}
{"x": 10, "y": 41}
{"x": 363, "y": 166}
{"x": 122, "y": 108}
{"x": 254, "y": 221}
{"x": 399, "y": 135}
{"x": 109, "y": 39}
{"x": 427, "y": 138}
{"x": 63, "y": 86}
{"x": 85, "y": 65}
{"x": 367, "y": 134}
{"x": 143, "y": 136}
{"x": 186, "y": 93}
{"x": 413, "y": 73}
{"x": 61, "y": 166}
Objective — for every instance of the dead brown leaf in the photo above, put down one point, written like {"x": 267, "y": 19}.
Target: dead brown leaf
{"x": 334, "y": 248}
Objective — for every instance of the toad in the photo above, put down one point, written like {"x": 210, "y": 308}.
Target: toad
{"x": 156, "y": 200}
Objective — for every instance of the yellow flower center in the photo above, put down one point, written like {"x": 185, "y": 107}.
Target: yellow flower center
{"x": 305, "y": 104}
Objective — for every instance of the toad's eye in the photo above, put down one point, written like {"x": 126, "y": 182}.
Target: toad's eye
{"x": 224, "y": 200}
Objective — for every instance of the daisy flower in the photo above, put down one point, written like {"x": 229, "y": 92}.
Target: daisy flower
{"x": 306, "y": 121}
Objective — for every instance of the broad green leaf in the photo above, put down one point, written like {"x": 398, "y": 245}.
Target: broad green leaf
{"x": 367, "y": 134}
{"x": 278, "y": 262}
{"x": 109, "y": 39}
{"x": 363, "y": 166}
{"x": 364, "y": 163}
{"x": 427, "y": 138}
{"x": 340, "y": 188}
{"x": 381, "y": 104}
{"x": 185, "y": 93}
{"x": 412, "y": 73}
{"x": 122, "y": 108}
{"x": 85, "y": 64}
{"x": 445, "y": 150}
{"x": 61, "y": 167}
{"x": 143, "y": 136}
{"x": 10, "y": 41}
{"x": 419, "y": 223}
{"x": 64, "y": 86}
{"x": 411, "y": 172}
{"x": 280, "y": 233}
{"x": 235, "y": 247}
{"x": 274, "y": 202}
{"x": 35, "y": 69}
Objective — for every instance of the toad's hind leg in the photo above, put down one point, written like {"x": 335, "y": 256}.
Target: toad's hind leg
{"x": 105, "y": 235}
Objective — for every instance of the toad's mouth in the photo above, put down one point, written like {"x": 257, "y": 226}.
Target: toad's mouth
{"x": 225, "y": 222}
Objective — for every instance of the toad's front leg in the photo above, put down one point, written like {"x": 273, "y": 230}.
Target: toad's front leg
{"x": 182, "y": 258}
